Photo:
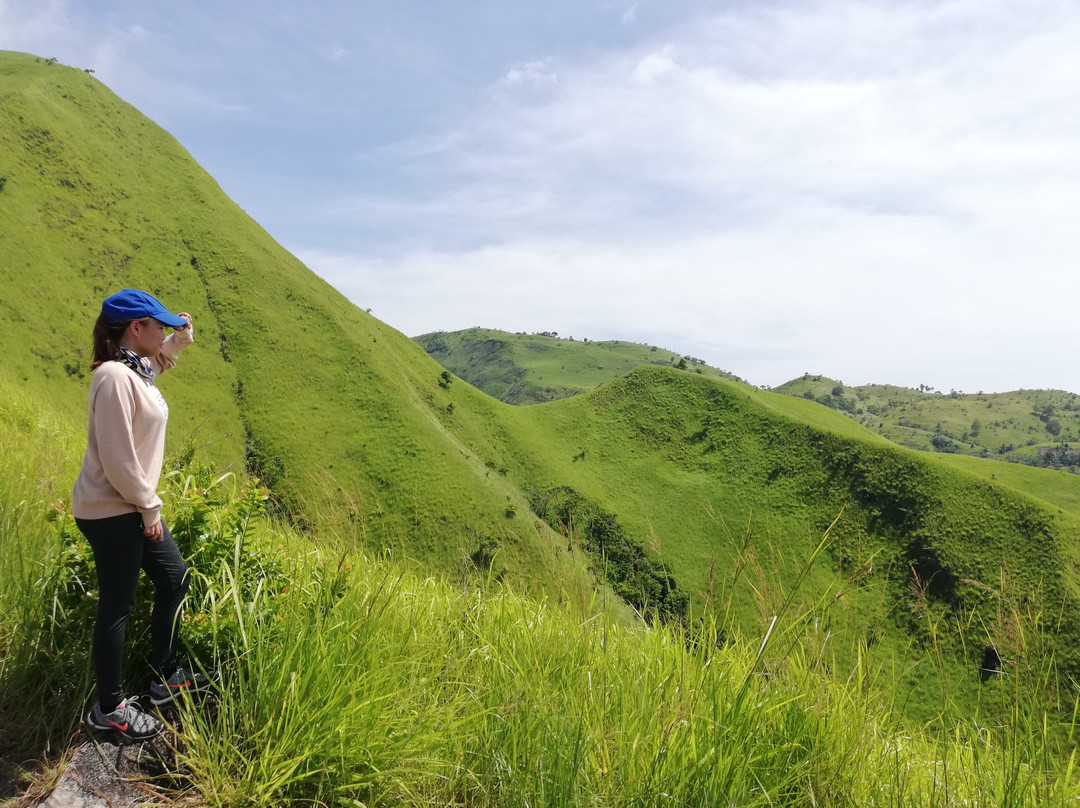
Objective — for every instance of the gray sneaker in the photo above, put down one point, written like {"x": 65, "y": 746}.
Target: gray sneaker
{"x": 128, "y": 721}
{"x": 182, "y": 680}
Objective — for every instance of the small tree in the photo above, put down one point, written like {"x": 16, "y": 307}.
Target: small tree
{"x": 942, "y": 443}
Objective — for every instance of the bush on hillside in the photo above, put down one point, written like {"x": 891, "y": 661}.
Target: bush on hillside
{"x": 484, "y": 553}
{"x": 1062, "y": 456}
{"x": 215, "y": 526}
{"x": 262, "y": 464}
{"x": 643, "y": 583}
{"x": 942, "y": 444}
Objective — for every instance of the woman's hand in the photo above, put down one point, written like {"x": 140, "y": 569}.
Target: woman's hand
{"x": 153, "y": 532}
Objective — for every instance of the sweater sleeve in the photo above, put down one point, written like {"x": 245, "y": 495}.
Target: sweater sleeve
{"x": 113, "y": 411}
{"x": 171, "y": 348}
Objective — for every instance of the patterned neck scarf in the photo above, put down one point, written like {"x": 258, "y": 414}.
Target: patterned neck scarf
{"x": 137, "y": 363}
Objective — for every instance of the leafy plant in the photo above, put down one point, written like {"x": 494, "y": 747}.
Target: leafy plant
{"x": 45, "y": 660}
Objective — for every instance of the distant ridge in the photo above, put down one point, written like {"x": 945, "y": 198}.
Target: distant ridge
{"x": 534, "y": 368}
{"x": 1033, "y": 427}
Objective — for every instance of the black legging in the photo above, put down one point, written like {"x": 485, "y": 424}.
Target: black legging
{"x": 120, "y": 551}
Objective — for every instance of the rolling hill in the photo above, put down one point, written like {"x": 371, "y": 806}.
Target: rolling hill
{"x": 1032, "y": 427}
{"x": 673, "y": 489}
{"x": 534, "y": 368}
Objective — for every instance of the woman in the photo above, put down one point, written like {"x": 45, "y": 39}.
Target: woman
{"x": 117, "y": 508}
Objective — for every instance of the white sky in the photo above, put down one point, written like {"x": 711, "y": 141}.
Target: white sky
{"x": 876, "y": 191}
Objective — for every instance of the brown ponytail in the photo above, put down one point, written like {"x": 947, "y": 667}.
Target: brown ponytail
{"x": 107, "y": 336}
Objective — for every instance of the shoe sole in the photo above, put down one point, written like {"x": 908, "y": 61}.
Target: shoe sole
{"x": 119, "y": 732}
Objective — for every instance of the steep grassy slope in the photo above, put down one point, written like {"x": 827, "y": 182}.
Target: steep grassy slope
{"x": 341, "y": 415}
{"x": 692, "y": 465}
{"x": 533, "y": 368}
{"x": 679, "y": 483}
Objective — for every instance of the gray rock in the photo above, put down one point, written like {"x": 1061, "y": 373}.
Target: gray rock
{"x": 105, "y": 775}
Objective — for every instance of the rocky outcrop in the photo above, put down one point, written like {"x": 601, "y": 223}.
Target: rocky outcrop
{"x": 102, "y": 774}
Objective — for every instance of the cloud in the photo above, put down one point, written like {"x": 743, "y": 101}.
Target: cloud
{"x": 758, "y": 303}
{"x": 654, "y": 66}
{"x": 537, "y": 75}
{"x": 876, "y": 190}
{"x": 844, "y": 186}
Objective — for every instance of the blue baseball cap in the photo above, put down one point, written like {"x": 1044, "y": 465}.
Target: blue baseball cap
{"x": 131, "y": 304}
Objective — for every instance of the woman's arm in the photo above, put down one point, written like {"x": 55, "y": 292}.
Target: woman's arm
{"x": 173, "y": 345}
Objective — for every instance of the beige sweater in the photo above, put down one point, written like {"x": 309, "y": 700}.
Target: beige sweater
{"x": 125, "y": 442}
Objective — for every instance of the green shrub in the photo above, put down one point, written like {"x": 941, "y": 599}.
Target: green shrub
{"x": 45, "y": 661}
{"x": 216, "y": 523}
{"x": 636, "y": 578}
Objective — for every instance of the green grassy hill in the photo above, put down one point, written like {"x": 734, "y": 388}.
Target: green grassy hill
{"x": 1031, "y": 427}
{"x": 1034, "y": 427}
{"x": 534, "y": 368}
{"x": 356, "y": 682}
{"x": 718, "y": 477}
{"x": 678, "y": 490}
{"x": 342, "y": 416}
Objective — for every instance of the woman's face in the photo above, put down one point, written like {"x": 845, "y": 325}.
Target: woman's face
{"x": 147, "y": 336}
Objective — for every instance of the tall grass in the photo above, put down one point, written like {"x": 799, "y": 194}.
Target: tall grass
{"x": 41, "y": 686}
{"x": 347, "y": 681}
{"x": 368, "y": 685}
